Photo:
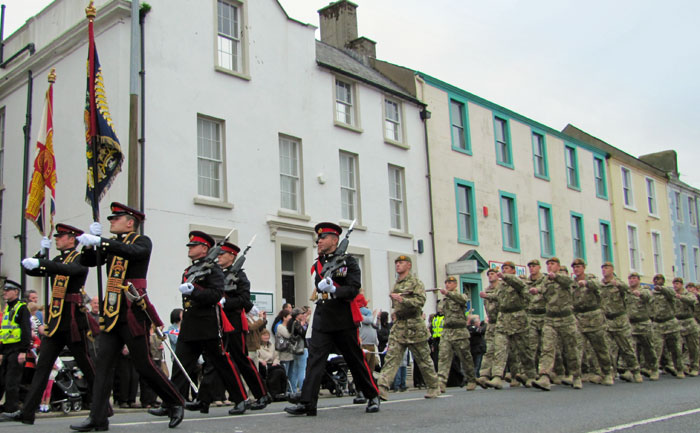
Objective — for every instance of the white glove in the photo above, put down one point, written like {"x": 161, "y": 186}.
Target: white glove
{"x": 254, "y": 311}
{"x": 89, "y": 240}
{"x": 45, "y": 243}
{"x": 326, "y": 285}
{"x": 186, "y": 288}
{"x": 30, "y": 264}
{"x": 96, "y": 229}
{"x": 223, "y": 301}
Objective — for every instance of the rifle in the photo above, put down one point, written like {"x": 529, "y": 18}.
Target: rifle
{"x": 232, "y": 278}
{"x": 204, "y": 266}
{"x": 339, "y": 257}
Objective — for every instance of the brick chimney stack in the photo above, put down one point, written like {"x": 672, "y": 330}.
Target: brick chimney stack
{"x": 339, "y": 28}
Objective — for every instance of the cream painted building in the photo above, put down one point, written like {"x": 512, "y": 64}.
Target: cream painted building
{"x": 641, "y": 217}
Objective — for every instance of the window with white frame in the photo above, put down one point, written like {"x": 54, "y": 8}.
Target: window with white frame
{"x": 539, "y": 155}
{"x": 344, "y": 102}
{"x": 290, "y": 174}
{"x": 392, "y": 120}
{"x": 546, "y": 230}
{"x": 349, "y": 197}
{"x": 572, "y": 179}
{"x": 503, "y": 150}
{"x": 605, "y": 242}
{"x": 692, "y": 211}
{"x": 509, "y": 222}
{"x": 696, "y": 262}
{"x": 229, "y": 48}
{"x": 466, "y": 220}
{"x": 656, "y": 252}
{"x": 397, "y": 201}
{"x": 210, "y": 157}
{"x": 679, "y": 206}
{"x": 684, "y": 261}
{"x": 577, "y": 237}
{"x": 459, "y": 139}
{"x": 651, "y": 196}
{"x": 633, "y": 244}
{"x": 627, "y": 194}
{"x": 601, "y": 189}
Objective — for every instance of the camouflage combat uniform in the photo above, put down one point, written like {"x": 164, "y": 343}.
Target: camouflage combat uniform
{"x": 591, "y": 320}
{"x": 639, "y": 313}
{"x": 685, "y": 308}
{"x": 536, "y": 316}
{"x": 409, "y": 331}
{"x": 613, "y": 296}
{"x": 666, "y": 327}
{"x": 455, "y": 338}
{"x": 491, "y": 309}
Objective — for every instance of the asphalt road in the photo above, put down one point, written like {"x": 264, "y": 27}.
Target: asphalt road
{"x": 669, "y": 405}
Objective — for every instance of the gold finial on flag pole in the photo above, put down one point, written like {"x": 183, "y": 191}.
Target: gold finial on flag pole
{"x": 52, "y": 76}
{"x": 90, "y": 11}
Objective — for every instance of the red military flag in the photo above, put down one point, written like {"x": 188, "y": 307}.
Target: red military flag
{"x": 44, "y": 175}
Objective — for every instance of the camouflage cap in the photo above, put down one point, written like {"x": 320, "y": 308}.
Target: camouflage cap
{"x": 533, "y": 262}
{"x": 403, "y": 258}
{"x": 633, "y": 274}
{"x": 564, "y": 269}
{"x": 451, "y": 279}
{"x": 578, "y": 261}
{"x": 678, "y": 280}
{"x": 607, "y": 264}
{"x": 492, "y": 271}
{"x": 553, "y": 260}
{"x": 659, "y": 276}
{"x": 690, "y": 285}
{"x": 509, "y": 264}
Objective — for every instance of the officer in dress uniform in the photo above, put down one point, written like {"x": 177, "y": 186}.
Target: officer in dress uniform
{"x": 67, "y": 324}
{"x": 200, "y": 330}
{"x": 15, "y": 341}
{"x": 334, "y": 325}
{"x": 127, "y": 256}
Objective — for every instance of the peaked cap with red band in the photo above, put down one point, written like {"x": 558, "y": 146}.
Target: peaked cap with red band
{"x": 65, "y": 229}
{"x": 119, "y": 209}
{"x": 325, "y": 228}
{"x": 200, "y": 238}
{"x": 228, "y": 247}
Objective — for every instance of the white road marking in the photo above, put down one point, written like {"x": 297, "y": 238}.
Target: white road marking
{"x": 646, "y": 421}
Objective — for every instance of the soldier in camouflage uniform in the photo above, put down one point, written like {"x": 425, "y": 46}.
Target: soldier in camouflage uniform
{"x": 536, "y": 310}
{"x": 513, "y": 299}
{"x": 455, "y": 335}
{"x": 408, "y": 331}
{"x": 666, "y": 327}
{"x": 639, "y": 313}
{"x": 692, "y": 288}
{"x": 590, "y": 317}
{"x": 613, "y": 295}
{"x": 559, "y": 326}
{"x": 685, "y": 308}
{"x": 491, "y": 309}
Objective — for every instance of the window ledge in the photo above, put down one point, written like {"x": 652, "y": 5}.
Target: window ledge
{"x": 574, "y": 187}
{"x": 511, "y": 250}
{"x": 602, "y": 197}
{"x": 468, "y": 242}
{"x": 400, "y": 234}
{"x": 206, "y": 201}
{"x": 232, "y": 73}
{"x": 543, "y": 177}
{"x": 294, "y": 215}
{"x": 349, "y": 127}
{"x": 358, "y": 226}
{"x": 506, "y": 165}
{"x": 630, "y": 208}
{"x": 467, "y": 151}
{"x": 396, "y": 143}
{"x": 655, "y": 216}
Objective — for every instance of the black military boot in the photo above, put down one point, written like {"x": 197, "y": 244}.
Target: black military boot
{"x": 90, "y": 425}
{"x": 238, "y": 409}
{"x": 159, "y": 411}
{"x": 260, "y": 403}
{"x": 359, "y": 399}
{"x": 373, "y": 405}
{"x": 17, "y": 416}
{"x": 197, "y": 405}
{"x": 301, "y": 409}
{"x": 176, "y": 414}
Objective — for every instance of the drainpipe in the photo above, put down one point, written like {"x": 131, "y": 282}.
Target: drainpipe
{"x": 25, "y": 168}
{"x": 425, "y": 115}
{"x": 143, "y": 11}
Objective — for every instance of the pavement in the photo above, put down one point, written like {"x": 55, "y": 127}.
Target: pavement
{"x": 669, "y": 405}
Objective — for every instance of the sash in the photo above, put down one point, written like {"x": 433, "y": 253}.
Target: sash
{"x": 115, "y": 285}
{"x": 58, "y": 297}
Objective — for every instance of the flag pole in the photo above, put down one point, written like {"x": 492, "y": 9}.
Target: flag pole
{"x": 91, "y": 13}
{"x": 47, "y": 284}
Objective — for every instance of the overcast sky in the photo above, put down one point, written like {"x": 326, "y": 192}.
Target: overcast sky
{"x": 625, "y": 71}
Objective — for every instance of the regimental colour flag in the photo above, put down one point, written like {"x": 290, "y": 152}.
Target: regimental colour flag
{"x": 44, "y": 175}
{"x": 104, "y": 154}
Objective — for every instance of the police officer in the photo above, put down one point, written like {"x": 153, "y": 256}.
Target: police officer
{"x": 200, "y": 331}
{"x": 127, "y": 256}
{"x": 334, "y": 325}
{"x": 15, "y": 341}
{"x": 66, "y": 321}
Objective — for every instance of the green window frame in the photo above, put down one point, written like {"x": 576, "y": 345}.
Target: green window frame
{"x": 502, "y": 141}
{"x": 465, "y": 207}
{"x": 547, "y": 246}
{"x": 509, "y": 221}
{"x": 606, "y": 241}
{"x": 600, "y": 177}
{"x": 540, "y": 161}
{"x": 571, "y": 167}
{"x": 577, "y": 228}
{"x": 459, "y": 123}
